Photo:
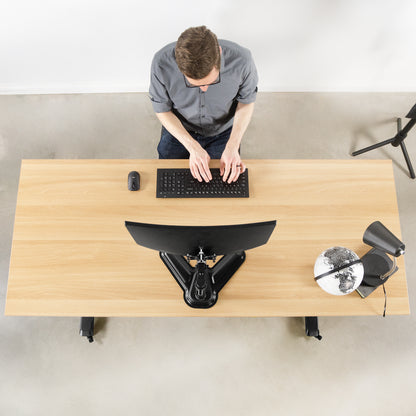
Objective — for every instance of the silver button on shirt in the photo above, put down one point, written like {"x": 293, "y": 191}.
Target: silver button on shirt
{"x": 206, "y": 113}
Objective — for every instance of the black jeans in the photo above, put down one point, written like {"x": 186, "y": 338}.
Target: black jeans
{"x": 171, "y": 148}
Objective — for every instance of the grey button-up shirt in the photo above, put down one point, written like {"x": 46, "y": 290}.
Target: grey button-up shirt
{"x": 206, "y": 113}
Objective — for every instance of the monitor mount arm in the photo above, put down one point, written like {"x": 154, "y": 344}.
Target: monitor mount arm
{"x": 201, "y": 284}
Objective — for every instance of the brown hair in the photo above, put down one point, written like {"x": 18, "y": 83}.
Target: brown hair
{"x": 197, "y": 52}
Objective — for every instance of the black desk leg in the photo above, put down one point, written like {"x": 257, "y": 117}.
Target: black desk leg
{"x": 87, "y": 328}
{"x": 311, "y": 327}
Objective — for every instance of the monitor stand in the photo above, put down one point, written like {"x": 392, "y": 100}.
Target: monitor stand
{"x": 201, "y": 284}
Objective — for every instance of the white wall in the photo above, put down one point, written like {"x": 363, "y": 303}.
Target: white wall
{"x": 64, "y": 46}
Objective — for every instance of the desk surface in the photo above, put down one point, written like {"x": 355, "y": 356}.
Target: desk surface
{"x": 72, "y": 255}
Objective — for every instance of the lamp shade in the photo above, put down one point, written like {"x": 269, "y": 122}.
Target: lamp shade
{"x": 378, "y": 236}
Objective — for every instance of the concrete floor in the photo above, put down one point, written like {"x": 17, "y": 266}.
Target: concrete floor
{"x": 206, "y": 366}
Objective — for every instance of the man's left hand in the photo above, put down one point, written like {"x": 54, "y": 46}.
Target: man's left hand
{"x": 231, "y": 165}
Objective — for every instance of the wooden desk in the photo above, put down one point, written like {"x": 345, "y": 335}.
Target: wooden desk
{"x": 73, "y": 256}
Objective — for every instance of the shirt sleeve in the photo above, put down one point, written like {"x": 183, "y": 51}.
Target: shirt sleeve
{"x": 158, "y": 94}
{"x": 247, "y": 92}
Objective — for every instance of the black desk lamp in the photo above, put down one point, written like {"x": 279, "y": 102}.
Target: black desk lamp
{"x": 378, "y": 266}
{"x": 397, "y": 140}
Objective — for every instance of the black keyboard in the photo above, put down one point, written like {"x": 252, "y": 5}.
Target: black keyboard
{"x": 179, "y": 183}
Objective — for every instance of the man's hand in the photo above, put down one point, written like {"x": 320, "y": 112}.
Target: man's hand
{"x": 231, "y": 165}
{"x": 199, "y": 164}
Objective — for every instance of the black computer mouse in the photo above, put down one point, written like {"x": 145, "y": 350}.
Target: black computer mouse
{"x": 134, "y": 181}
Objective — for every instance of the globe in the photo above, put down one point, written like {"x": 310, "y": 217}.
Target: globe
{"x": 345, "y": 278}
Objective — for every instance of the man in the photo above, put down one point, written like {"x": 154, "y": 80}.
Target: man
{"x": 203, "y": 92}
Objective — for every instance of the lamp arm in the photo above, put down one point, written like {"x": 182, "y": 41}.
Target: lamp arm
{"x": 390, "y": 272}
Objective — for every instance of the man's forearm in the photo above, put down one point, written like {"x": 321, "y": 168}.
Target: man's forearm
{"x": 173, "y": 125}
{"x": 198, "y": 157}
{"x": 242, "y": 119}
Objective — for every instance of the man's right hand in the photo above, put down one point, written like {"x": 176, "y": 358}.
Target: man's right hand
{"x": 198, "y": 157}
{"x": 199, "y": 164}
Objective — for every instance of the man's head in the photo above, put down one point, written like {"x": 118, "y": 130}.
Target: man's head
{"x": 198, "y": 56}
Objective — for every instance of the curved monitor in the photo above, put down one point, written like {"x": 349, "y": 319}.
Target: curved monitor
{"x": 218, "y": 239}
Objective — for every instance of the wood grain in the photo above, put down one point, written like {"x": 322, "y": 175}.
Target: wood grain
{"x": 73, "y": 256}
